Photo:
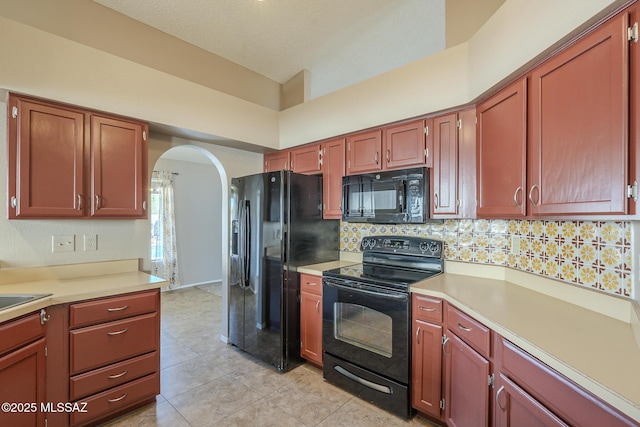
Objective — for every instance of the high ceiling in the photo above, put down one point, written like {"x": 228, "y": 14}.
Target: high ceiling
{"x": 340, "y": 42}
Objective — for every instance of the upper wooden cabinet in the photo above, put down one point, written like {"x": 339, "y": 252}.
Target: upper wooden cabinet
{"x": 501, "y": 153}
{"x": 405, "y": 146}
{"x": 333, "y": 168}
{"x": 444, "y": 181}
{"x": 394, "y": 147}
{"x": 306, "y": 159}
{"x": 276, "y": 161}
{"x": 66, "y": 162}
{"x": 364, "y": 152}
{"x": 579, "y": 124}
{"x": 118, "y": 167}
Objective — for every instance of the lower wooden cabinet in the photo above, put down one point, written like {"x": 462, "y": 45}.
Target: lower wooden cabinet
{"x": 466, "y": 384}
{"x": 311, "y": 318}
{"x": 22, "y": 372}
{"x": 114, "y": 365}
{"x": 517, "y": 408}
{"x": 481, "y": 379}
{"x": 426, "y": 355}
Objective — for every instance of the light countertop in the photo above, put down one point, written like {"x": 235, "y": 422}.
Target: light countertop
{"x": 72, "y": 283}
{"x": 597, "y": 351}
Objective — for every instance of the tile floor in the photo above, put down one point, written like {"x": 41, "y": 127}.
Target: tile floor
{"x": 206, "y": 383}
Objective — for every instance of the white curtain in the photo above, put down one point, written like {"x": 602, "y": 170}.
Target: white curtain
{"x": 167, "y": 266}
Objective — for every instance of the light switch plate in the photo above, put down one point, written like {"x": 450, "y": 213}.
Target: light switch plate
{"x": 63, "y": 243}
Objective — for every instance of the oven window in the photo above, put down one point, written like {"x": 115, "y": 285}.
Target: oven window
{"x": 363, "y": 327}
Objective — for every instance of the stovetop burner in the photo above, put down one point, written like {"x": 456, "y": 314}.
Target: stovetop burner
{"x": 394, "y": 261}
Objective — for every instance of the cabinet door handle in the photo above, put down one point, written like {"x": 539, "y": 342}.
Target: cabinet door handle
{"x": 418, "y": 335}
{"x": 426, "y": 308}
{"x": 317, "y": 305}
{"x": 118, "y": 332}
{"x": 435, "y": 201}
{"x": 117, "y": 399}
{"x": 498, "y": 393}
{"x": 464, "y": 328}
{"x": 377, "y": 160}
{"x": 515, "y": 197}
{"x": 124, "y": 307}
{"x": 79, "y": 202}
{"x": 531, "y": 194}
{"x": 388, "y": 154}
{"x": 97, "y": 201}
{"x": 445, "y": 340}
{"x": 122, "y": 374}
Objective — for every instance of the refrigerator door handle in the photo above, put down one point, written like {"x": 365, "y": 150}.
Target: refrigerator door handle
{"x": 247, "y": 243}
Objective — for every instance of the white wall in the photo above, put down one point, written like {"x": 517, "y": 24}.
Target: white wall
{"x": 199, "y": 212}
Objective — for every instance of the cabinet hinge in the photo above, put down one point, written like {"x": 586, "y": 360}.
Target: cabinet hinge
{"x": 476, "y": 119}
{"x": 426, "y": 153}
{"x": 459, "y": 124}
{"x": 14, "y": 112}
{"x": 14, "y": 202}
{"x": 348, "y": 146}
{"x": 426, "y": 130}
{"x": 632, "y": 33}
{"x": 632, "y": 191}
{"x": 491, "y": 381}
{"x": 46, "y": 352}
{"x": 144, "y": 135}
{"x": 442, "y": 404}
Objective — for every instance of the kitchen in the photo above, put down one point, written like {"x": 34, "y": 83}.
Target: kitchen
{"x": 432, "y": 84}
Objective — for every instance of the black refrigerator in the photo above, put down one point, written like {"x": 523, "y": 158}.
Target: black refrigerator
{"x": 276, "y": 226}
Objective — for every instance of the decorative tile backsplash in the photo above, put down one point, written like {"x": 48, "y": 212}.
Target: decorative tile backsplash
{"x": 595, "y": 254}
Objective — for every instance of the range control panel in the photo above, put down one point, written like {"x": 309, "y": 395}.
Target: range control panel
{"x": 406, "y": 245}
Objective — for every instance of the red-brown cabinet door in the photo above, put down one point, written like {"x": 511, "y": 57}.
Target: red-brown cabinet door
{"x": 426, "y": 371}
{"x": 579, "y": 125}
{"x": 502, "y": 155}
{"x": 364, "y": 152}
{"x": 514, "y": 407}
{"x": 333, "y": 165}
{"x": 306, "y": 159}
{"x": 22, "y": 375}
{"x": 404, "y": 145}
{"x": 118, "y": 167}
{"x": 276, "y": 161}
{"x": 46, "y": 160}
{"x": 466, "y": 385}
{"x": 445, "y": 165}
{"x": 311, "y": 327}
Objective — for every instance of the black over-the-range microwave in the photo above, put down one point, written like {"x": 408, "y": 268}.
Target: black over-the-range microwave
{"x": 392, "y": 197}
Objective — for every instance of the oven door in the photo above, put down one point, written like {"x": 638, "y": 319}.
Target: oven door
{"x": 367, "y": 326}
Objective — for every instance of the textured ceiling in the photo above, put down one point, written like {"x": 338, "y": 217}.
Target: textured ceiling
{"x": 340, "y": 42}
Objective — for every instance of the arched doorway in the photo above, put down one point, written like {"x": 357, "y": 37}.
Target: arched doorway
{"x": 201, "y": 213}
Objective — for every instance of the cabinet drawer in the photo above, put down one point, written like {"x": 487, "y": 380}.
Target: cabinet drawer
{"x": 113, "y": 375}
{"x": 427, "y": 308}
{"x": 112, "y": 308}
{"x": 310, "y": 283}
{"x": 100, "y": 345}
{"x": 117, "y": 399}
{"x": 469, "y": 330}
{"x": 16, "y": 333}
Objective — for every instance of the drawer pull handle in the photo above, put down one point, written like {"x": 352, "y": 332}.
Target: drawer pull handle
{"x": 122, "y": 374}
{"x": 124, "y": 307}
{"x": 117, "y": 399}
{"x": 464, "y": 328}
{"x": 118, "y": 332}
{"x": 310, "y": 283}
{"x": 426, "y": 308}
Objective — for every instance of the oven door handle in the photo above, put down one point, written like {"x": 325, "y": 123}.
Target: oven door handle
{"x": 398, "y": 296}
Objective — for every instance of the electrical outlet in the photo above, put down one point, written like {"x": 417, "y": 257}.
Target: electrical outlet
{"x": 63, "y": 243}
{"x": 90, "y": 242}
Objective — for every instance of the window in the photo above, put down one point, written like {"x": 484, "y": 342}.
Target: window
{"x": 156, "y": 220}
